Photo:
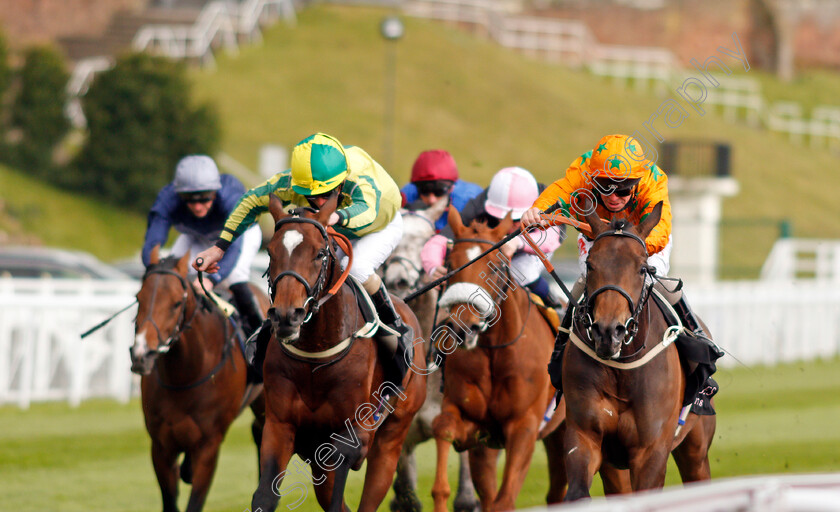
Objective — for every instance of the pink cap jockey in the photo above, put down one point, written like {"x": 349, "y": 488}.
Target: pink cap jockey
{"x": 512, "y": 189}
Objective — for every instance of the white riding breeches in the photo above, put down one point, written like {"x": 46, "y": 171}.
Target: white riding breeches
{"x": 371, "y": 250}
{"x": 251, "y": 242}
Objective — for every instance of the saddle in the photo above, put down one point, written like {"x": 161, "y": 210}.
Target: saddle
{"x": 698, "y": 361}
{"x": 550, "y": 314}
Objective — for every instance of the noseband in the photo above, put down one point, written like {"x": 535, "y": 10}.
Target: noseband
{"x": 181, "y": 325}
{"x": 315, "y": 296}
{"x": 632, "y": 324}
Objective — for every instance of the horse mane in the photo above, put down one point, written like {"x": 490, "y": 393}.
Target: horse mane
{"x": 167, "y": 263}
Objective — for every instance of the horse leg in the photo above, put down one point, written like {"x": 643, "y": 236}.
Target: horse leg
{"x": 556, "y": 466}
{"x": 440, "y": 489}
{"x": 648, "y": 464}
{"x": 349, "y": 455}
{"x": 520, "y": 439}
{"x": 483, "y": 468}
{"x": 257, "y": 426}
{"x": 692, "y": 455}
{"x": 405, "y": 484}
{"x": 583, "y": 458}
{"x": 204, "y": 466}
{"x": 616, "y": 481}
{"x": 382, "y": 462}
{"x": 166, "y": 470}
{"x": 465, "y": 500}
{"x": 277, "y": 447}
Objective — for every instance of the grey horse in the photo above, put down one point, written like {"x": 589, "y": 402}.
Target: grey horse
{"x": 403, "y": 273}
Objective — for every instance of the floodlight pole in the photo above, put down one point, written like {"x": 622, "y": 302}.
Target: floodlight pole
{"x": 392, "y": 30}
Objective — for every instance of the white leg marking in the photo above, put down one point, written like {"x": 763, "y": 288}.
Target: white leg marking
{"x": 291, "y": 240}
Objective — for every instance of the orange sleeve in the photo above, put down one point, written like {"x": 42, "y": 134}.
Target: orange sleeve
{"x": 652, "y": 190}
{"x": 562, "y": 190}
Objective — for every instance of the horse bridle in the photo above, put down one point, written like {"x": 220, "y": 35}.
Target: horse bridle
{"x": 182, "y": 324}
{"x": 327, "y": 255}
{"x": 631, "y": 326}
{"x": 500, "y": 291}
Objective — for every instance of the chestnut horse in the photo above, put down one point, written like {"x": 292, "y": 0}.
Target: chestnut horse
{"x": 324, "y": 375}
{"x": 402, "y": 273}
{"x": 496, "y": 387}
{"x": 624, "y": 387}
{"x": 194, "y": 378}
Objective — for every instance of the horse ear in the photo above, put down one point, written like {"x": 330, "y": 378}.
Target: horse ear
{"x": 329, "y": 207}
{"x": 646, "y": 226}
{"x": 154, "y": 257}
{"x": 504, "y": 226}
{"x": 455, "y": 221}
{"x": 183, "y": 264}
{"x": 275, "y": 206}
{"x": 595, "y": 223}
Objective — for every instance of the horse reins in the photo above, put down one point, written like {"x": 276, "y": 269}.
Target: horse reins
{"x": 182, "y": 326}
{"x": 314, "y": 298}
{"x": 632, "y": 324}
{"x": 500, "y": 296}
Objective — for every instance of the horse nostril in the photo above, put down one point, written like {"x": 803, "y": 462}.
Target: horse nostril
{"x": 620, "y": 331}
{"x": 297, "y": 315}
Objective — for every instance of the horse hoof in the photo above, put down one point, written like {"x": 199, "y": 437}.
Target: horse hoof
{"x": 466, "y": 506}
{"x": 406, "y": 504}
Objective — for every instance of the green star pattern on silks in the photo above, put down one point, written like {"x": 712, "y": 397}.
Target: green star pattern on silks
{"x": 586, "y": 156}
{"x": 657, "y": 173}
{"x": 564, "y": 206}
{"x": 632, "y": 148}
{"x": 615, "y": 163}
{"x": 602, "y": 147}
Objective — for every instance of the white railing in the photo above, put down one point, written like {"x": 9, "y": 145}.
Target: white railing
{"x": 817, "y": 492}
{"x": 767, "y": 323}
{"x": 798, "y": 258}
{"x": 196, "y": 41}
{"x": 42, "y": 356}
{"x": 80, "y": 79}
{"x": 571, "y": 42}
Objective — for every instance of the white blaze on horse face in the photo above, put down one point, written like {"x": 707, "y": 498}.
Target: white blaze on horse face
{"x": 473, "y": 252}
{"x": 140, "y": 347}
{"x": 291, "y": 240}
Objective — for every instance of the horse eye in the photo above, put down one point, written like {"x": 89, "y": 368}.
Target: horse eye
{"x": 321, "y": 254}
{"x": 177, "y": 304}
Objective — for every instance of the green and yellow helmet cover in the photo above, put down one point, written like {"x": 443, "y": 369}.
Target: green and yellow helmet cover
{"x": 318, "y": 165}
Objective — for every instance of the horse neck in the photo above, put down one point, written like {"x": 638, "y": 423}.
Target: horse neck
{"x": 335, "y": 321}
{"x": 198, "y": 348}
{"x": 513, "y": 311}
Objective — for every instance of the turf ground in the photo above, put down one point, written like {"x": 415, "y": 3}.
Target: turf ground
{"x": 96, "y": 457}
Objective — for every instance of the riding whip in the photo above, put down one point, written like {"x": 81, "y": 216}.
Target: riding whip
{"x": 553, "y": 221}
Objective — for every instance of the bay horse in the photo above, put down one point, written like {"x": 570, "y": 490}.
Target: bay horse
{"x": 193, "y": 381}
{"x": 324, "y": 376}
{"x": 624, "y": 388}
{"x": 496, "y": 387}
{"x": 402, "y": 273}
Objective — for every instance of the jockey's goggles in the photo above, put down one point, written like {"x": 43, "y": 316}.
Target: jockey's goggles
{"x": 198, "y": 197}
{"x": 435, "y": 187}
{"x": 609, "y": 187}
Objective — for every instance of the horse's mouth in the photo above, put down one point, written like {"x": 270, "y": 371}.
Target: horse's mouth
{"x": 143, "y": 366}
{"x": 284, "y": 332}
{"x": 608, "y": 350}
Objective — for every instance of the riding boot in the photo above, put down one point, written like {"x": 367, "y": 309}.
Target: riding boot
{"x": 555, "y": 364}
{"x": 255, "y": 348}
{"x": 394, "y": 336}
{"x": 690, "y": 321}
{"x": 248, "y": 307}
{"x": 543, "y": 290}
